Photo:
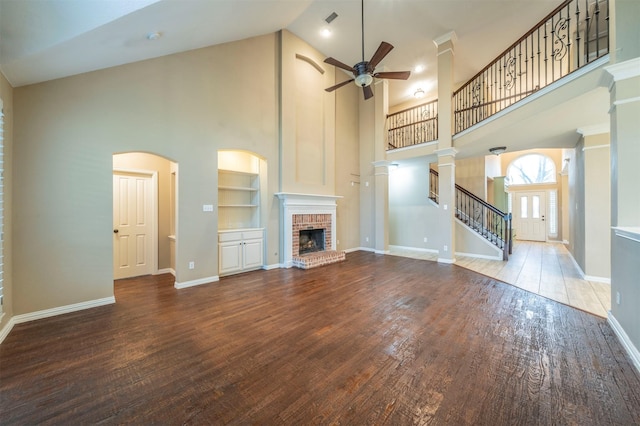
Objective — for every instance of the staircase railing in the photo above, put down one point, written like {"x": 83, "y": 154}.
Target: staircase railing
{"x": 573, "y": 35}
{"x": 477, "y": 214}
{"x": 413, "y": 126}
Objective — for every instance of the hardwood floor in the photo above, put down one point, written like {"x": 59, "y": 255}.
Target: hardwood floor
{"x": 372, "y": 340}
{"x": 546, "y": 269}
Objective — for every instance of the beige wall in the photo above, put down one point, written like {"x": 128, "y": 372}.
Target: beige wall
{"x": 597, "y": 206}
{"x": 183, "y": 108}
{"x": 6, "y": 94}
{"x": 471, "y": 175}
{"x": 347, "y": 165}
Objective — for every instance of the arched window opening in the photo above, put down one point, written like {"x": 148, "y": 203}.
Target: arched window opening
{"x": 531, "y": 169}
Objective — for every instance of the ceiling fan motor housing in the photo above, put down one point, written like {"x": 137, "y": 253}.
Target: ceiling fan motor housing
{"x": 363, "y": 74}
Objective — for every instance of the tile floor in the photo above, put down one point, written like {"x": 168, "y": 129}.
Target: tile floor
{"x": 546, "y": 269}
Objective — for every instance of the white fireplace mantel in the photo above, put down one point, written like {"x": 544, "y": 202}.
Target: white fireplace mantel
{"x": 293, "y": 204}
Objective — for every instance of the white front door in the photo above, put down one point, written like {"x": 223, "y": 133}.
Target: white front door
{"x": 132, "y": 225}
{"x": 529, "y": 221}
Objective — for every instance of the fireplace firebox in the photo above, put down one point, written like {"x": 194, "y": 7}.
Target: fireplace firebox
{"x": 311, "y": 240}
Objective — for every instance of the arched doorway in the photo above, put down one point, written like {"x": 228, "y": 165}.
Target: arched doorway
{"x": 144, "y": 213}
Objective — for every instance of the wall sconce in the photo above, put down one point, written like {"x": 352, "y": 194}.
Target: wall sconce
{"x": 419, "y": 93}
{"x": 498, "y": 150}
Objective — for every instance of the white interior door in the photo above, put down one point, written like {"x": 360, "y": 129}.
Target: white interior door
{"x": 530, "y": 212}
{"x": 132, "y": 225}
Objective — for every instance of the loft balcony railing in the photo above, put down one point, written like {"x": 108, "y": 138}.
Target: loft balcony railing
{"x": 413, "y": 126}
{"x": 575, "y": 34}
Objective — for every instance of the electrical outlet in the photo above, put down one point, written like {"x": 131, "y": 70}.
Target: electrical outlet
{"x": 445, "y": 207}
{"x": 367, "y": 239}
{"x": 192, "y": 265}
{"x": 425, "y": 239}
{"x": 337, "y": 242}
{"x": 446, "y": 248}
{"x": 207, "y": 207}
{"x": 617, "y": 297}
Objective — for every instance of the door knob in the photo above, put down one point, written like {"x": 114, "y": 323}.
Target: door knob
{"x": 115, "y": 231}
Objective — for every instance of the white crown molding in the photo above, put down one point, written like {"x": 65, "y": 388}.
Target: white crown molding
{"x": 596, "y": 129}
{"x": 624, "y": 70}
{"x": 444, "y": 38}
{"x": 589, "y": 148}
{"x": 446, "y": 151}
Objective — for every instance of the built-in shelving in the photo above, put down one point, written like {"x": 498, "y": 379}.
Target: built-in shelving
{"x": 238, "y": 199}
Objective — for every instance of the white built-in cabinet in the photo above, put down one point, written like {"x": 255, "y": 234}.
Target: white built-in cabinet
{"x": 240, "y": 236}
{"x": 240, "y": 250}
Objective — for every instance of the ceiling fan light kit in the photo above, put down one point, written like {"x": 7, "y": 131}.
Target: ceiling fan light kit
{"x": 364, "y": 71}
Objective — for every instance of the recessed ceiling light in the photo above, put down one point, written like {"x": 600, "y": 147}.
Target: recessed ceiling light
{"x": 325, "y": 32}
{"x": 154, "y": 35}
{"x": 419, "y": 68}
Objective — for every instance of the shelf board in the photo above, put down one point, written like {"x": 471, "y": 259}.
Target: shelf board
{"x": 237, "y": 205}
{"x": 238, "y": 188}
{"x": 238, "y": 173}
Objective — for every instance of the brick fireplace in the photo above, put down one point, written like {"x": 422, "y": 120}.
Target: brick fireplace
{"x": 302, "y": 212}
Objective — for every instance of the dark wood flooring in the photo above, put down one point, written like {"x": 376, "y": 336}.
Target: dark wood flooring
{"x": 373, "y": 340}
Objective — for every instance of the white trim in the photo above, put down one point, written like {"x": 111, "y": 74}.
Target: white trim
{"x": 603, "y": 280}
{"x": 410, "y": 147}
{"x": 274, "y": 266}
{"x": 596, "y": 129}
{"x": 624, "y": 70}
{"x": 165, "y": 271}
{"x": 479, "y": 256}
{"x": 565, "y": 242}
{"x": 381, "y": 251}
{"x": 351, "y": 250}
{"x": 6, "y": 329}
{"x": 46, "y": 313}
{"x": 447, "y": 261}
{"x": 630, "y": 233}
{"x": 446, "y": 151}
{"x": 199, "y": 281}
{"x": 540, "y": 93}
{"x": 449, "y": 36}
{"x": 626, "y": 342}
{"x": 575, "y": 263}
{"x": 625, "y": 101}
{"x": 588, "y": 148}
{"x": 416, "y": 249}
{"x": 369, "y": 249}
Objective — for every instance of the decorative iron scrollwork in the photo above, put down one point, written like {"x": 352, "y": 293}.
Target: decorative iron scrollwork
{"x": 509, "y": 72}
{"x": 561, "y": 46}
{"x": 476, "y": 93}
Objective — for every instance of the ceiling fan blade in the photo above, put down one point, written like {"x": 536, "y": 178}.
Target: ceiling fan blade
{"x": 339, "y": 85}
{"x": 337, "y": 63}
{"x": 368, "y": 92}
{"x": 383, "y": 50}
{"x": 396, "y": 75}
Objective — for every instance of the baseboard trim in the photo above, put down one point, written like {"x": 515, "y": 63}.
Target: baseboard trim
{"x": 586, "y": 277}
{"x": 479, "y": 256}
{"x": 603, "y": 280}
{"x": 447, "y": 261}
{"x": 274, "y": 266}
{"x": 46, "y": 313}
{"x": 625, "y": 340}
{"x": 6, "y": 329}
{"x": 369, "y": 249}
{"x": 193, "y": 283}
{"x": 416, "y": 249}
{"x": 381, "y": 251}
{"x": 166, "y": 271}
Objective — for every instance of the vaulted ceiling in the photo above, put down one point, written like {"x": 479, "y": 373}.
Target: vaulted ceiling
{"x": 42, "y": 40}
